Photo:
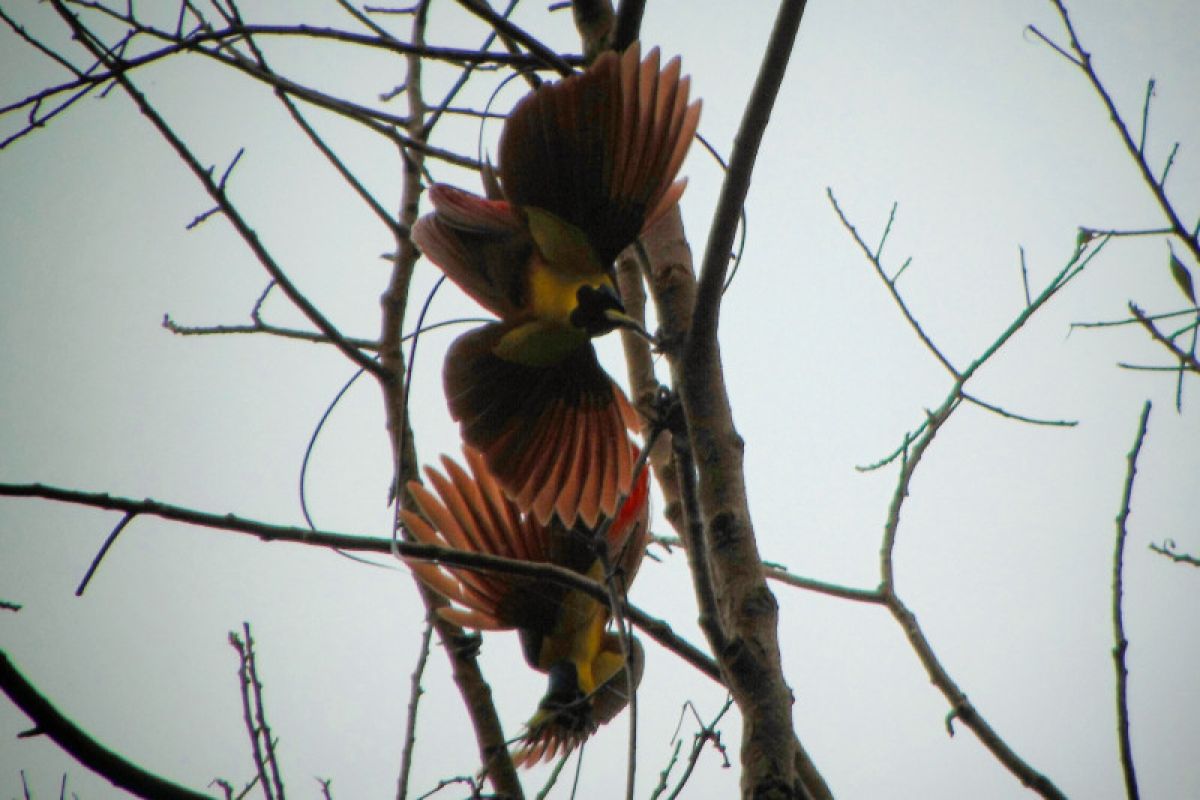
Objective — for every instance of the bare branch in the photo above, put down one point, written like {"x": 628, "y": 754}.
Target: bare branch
{"x": 961, "y": 707}
{"x": 1167, "y": 548}
{"x": 629, "y": 23}
{"x": 890, "y": 283}
{"x": 269, "y": 532}
{"x": 511, "y": 32}
{"x": 218, "y": 195}
{"x": 1187, "y": 360}
{"x": 262, "y": 327}
{"x": 1083, "y": 60}
{"x": 777, "y": 573}
{"x": 81, "y": 746}
{"x": 696, "y": 546}
{"x": 260, "y": 737}
{"x": 326, "y": 150}
{"x": 415, "y": 690}
{"x": 108, "y": 543}
{"x": 773, "y": 759}
{"x": 647, "y": 393}
{"x": 1122, "y": 644}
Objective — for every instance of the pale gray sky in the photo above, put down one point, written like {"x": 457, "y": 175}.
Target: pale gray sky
{"x": 986, "y": 139}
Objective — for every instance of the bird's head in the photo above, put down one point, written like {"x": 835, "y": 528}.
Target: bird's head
{"x": 569, "y": 713}
{"x": 599, "y": 310}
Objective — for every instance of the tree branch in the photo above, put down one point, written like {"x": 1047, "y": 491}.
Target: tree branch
{"x": 468, "y": 677}
{"x": 1122, "y": 644}
{"x": 1186, "y": 359}
{"x": 81, "y": 746}
{"x": 269, "y": 532}
{"x": 511, "y": 32}
{"x": 773, "y": 761}
{"x": 1083, "y": 61}
{"x": 1167, "y": 549}
{"x": 217, "y": 193}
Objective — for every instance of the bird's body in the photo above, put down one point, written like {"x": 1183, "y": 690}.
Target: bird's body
{"x": 585, "y": 165}
{"x": 563, "y": 631}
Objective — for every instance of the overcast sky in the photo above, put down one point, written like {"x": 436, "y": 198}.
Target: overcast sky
{"x": 987, "y": 140}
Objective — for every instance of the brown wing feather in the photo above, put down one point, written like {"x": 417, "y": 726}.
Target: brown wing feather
{"x": 600, "y": 149}
{"x": 464, "y": 512}
{"x": 482, "y": 245}
{"x": 457, "y": 586}
{"x": 475, "y": 588}
{"x": 469, "y": 512}
{"x": 514, "y": 415}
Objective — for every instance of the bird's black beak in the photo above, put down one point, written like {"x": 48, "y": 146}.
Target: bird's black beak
{"x": 620, "y": 319}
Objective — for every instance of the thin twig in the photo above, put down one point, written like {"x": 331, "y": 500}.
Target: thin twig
{"x": 1167, "y": 549}
{"x": 263, "y": 327}
{"x": 961, "y": 707}
{"x": 415, "y": 690}
{"x": 1186, "y": 359}
{"x": 1187, "y": 312}
{"x": 112, "y": 537}
{"x": 1122, "y": 643}
{"x": 245, "y": 684}
{"x": 260, "y": 712}
{"x": 707, "y": 733}
{"x": 1024, "y": 275}
{"x": 1003, "y": 412}
{"x": 1083, "y": 61}
{"x": 218, "y": 195}
{"x": 511, "y": 32}
{"x": 890, "y": 283}
{"x": 1122, "y": 233}
{"x": 778, "y": 573}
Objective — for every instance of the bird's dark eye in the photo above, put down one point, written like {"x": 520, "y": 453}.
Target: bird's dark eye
{"x": 593, "y": 302}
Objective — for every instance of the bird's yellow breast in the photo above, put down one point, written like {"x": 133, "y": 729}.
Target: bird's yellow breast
{"x": 554, "y": 294}
{"x": 579, "y": 634}
{"x": 548, "y": 335}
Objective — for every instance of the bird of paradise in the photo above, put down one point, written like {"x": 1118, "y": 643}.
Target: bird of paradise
{"x": 585, "y": 165}
{"x": 563, "y": 630}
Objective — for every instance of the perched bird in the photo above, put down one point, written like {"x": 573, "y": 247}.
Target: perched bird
{"x": 585, "y": 165}
{"x": 563, "y": 631}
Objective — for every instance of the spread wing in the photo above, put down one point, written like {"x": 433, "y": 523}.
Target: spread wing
{"x": 468, "y": 511}
{"x": 601, "y": 149}
{"x": 482, "y": 245}
{"x": 555, "y": 437}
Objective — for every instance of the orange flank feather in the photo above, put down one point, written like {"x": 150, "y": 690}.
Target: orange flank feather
{"x": 563, "y": 631}
{"x": 585, "y": 165}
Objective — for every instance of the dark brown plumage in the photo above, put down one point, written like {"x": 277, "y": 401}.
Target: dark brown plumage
{"x": 562, "y": 630}
{"x": 585, "y": 165}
